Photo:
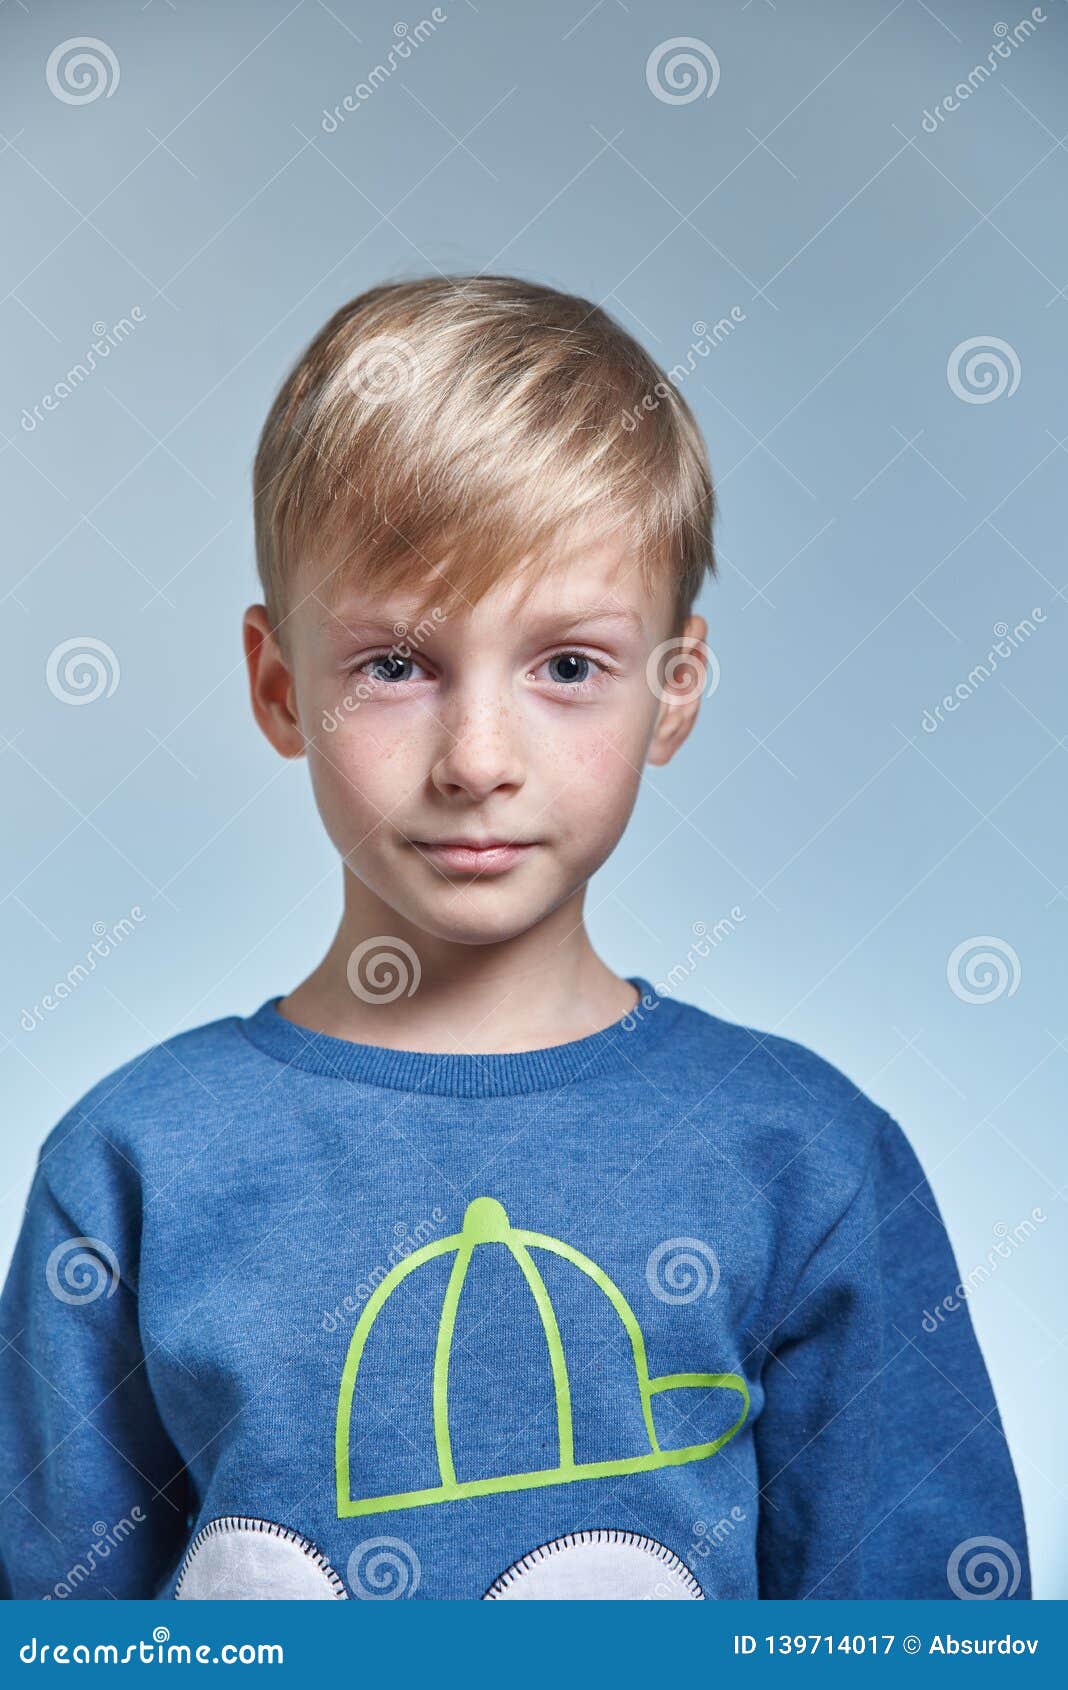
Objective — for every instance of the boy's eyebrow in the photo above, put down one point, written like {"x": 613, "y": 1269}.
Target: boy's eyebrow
{"x": 370, "y": 628}
{"x": 571, "y": 618}
{"x": 375, "y": 628}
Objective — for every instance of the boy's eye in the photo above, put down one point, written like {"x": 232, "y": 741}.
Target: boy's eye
{"x": 569, "y": 666}
{"x": 388, "y": 668}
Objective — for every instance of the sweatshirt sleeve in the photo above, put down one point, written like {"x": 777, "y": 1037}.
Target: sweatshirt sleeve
{"x": 92, "y": 1491}
{"x": 884, "y": 1470}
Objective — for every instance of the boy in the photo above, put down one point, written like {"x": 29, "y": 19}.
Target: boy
{"x": 468, "y": 1268}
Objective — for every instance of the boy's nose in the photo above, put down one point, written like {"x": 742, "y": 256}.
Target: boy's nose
{"x": 483, "y": 751}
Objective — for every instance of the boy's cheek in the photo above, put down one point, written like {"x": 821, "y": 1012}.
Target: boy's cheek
{"x": 351, "y": 792}
{"x": 611, "y": 769}
{"x": 613, "y": 757}
{"x": 359, "y": 771}
{"x": 359, "y": 760}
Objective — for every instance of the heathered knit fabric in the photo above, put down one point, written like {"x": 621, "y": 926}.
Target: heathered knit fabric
{"x": 250, "y": 1192}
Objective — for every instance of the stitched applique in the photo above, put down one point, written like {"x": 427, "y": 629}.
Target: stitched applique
{"x": 237, "y": 1558}
{"x": 486, "y": 1222}
{"x": 595, "y": 1566}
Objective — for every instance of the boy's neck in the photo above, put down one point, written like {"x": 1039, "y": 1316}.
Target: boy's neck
{"x": 548, "y": 986}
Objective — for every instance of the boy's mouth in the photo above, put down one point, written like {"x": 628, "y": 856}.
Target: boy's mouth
{"x": 463, "y": 856}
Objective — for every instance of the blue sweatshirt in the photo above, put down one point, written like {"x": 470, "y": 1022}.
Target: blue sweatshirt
{"x": 638, "y": 1315}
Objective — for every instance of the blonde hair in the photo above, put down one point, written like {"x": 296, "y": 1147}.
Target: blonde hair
{"x": 444, "y": 432}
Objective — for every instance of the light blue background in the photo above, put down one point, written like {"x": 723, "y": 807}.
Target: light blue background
{"x": 874, "y": 528}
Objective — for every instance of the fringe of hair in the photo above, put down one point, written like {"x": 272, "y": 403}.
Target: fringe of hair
{"x": 441, "y": 433}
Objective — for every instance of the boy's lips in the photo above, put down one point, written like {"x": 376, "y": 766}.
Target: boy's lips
{"x": 490, "y": 856}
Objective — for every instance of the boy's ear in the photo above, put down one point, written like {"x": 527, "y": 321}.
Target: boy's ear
{"x": 274, "y": 698}
{"x": 678, "y": 673}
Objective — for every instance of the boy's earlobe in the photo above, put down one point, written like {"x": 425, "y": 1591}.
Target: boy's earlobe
{"x": 271, "y": 684}
{"x": 679, "y": 672}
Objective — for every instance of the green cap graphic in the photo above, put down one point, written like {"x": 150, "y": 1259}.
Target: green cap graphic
{"x": 486, "y": 1222}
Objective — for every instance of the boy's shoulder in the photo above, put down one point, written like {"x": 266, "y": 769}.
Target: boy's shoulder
{"x": 774, "y": 1088}
{"x": 179, "y": 1087}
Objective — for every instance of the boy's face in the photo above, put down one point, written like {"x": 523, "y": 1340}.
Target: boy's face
{"x": 528, "y": 724}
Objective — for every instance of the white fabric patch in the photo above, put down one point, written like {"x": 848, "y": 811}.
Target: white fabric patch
{"x": 598, "y": 1566}
{"x": 238, "y": 1559}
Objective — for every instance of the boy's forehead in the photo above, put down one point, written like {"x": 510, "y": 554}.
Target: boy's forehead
{"x": 602, "y": 581}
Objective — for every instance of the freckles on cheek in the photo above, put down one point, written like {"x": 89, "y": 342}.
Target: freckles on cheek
{"x": 396, "y": 732}
{"x": 611, "y": 755}
{"x": 367, "y": 747}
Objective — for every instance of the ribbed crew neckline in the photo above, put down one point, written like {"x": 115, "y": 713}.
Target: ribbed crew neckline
{"x": 620, "y": 1047}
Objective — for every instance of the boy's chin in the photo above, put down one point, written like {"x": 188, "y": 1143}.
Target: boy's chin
{"x": 461, "y": 922}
